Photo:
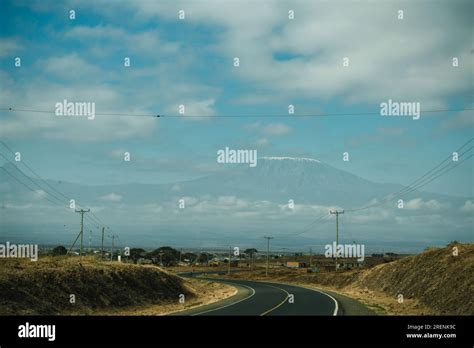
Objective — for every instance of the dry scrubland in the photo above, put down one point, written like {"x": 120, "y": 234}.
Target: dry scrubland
{"x": 44, "y": 287}
{"x": 433, "y": 282}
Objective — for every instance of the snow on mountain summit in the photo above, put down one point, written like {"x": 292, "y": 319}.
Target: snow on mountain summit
{"x": 302, "y": 159}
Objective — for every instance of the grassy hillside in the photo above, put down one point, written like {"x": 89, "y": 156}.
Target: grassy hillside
{"x": 45, "y": 286}
{"x": 432, "y": 282}
{"x": 435, "y": 277}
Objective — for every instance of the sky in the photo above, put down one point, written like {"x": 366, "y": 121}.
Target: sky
{"x": 190, "y": 62}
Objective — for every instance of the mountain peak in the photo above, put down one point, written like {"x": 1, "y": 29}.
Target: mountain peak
{"x": 300, "y": 159}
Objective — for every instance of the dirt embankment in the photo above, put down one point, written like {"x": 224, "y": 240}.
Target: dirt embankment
{"x": 433, "y": 282}
{"x": 60, "y": 285}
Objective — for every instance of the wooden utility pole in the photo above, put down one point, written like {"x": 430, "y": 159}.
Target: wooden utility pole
{"x": 102, "y": 248}
{"x": 112, "y": 251}
{"x": 337, "y": 213}
{"x": 82, "y": 211}
{"x": 161, "y": 258}
{"x": 268, "y": 253}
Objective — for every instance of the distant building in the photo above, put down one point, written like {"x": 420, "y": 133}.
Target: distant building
{"x": 214, "y": 263}
{"x": 295, "y": 264}
{"x": 143, "y": 261}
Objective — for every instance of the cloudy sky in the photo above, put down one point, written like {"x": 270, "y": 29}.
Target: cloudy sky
{"x": 190, "y": 62}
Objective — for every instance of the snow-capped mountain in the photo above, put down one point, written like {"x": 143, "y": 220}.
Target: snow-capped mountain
{"x": 237, "y": 204}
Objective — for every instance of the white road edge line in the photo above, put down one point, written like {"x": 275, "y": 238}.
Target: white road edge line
{"x": 335, "y": 301}
{"x": 304, "y": 287}
{"x": 230, "y": 304}
{"x": 278, "y": 305}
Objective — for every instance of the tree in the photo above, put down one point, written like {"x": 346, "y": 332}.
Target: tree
{"x": 166, "y": 254}
{"x": 191, "y": 257}
{"x": 204, "y": 258}
{"x": 251, "y": 251}
{"x": 59, "y": 250}
{"x": 137, "y": 253}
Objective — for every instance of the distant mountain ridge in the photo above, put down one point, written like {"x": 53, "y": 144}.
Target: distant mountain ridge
{"x": 277, "y": 179}
{"x": 239, "y": 206}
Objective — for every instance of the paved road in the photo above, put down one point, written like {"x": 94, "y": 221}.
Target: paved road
{"x": 262, "y": 298}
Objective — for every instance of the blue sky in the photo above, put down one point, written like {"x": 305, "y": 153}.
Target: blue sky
{"x": 190, "y": 62}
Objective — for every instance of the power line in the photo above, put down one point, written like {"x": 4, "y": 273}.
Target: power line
{"x": 28, "y": 187}
{"x": 425, "y": 179}
{"x": 97, "y": 220}
{"x": 41, "y": 196}
{"x": 32, "y": 171}
{"x": 31, "y": 180}
{"x": 307, "y": 227}
{"x": 369, "y": 113}
{"x": 419, "y": 183}
{"x": 58, "y": 201}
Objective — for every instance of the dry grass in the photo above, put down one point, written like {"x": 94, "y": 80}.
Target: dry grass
{"x": 44, "y": 287}
{"x": 434, "y": 282}
{"x": 207, "y": 293}
{"x": 436, "y": 278}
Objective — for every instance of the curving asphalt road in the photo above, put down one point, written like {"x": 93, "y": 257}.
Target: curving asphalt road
{"x": 262, "y": 298}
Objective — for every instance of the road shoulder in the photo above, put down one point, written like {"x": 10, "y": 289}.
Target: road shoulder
{"x": 346, "y": 305}
{"x": 242, "y": 294}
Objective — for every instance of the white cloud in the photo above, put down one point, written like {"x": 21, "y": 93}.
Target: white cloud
{"x": 392, "y": 62}
{"x": 111, "y": 197}
{"x": 418, "y": 203}
{"x": 69, "y": 66}
{"x": 431, "y": 220}
{"x": 468, "y": 206}
{"x": 133, "y": 42}
{"x": 262, "y": 142}
{"x": 232, "y": 201}
{"x": 42, "y": 95}
{"x": 18, "y": 206}
{"x": 463, "y": 119}
{"x": 153, "y": 208}
{"x": 39, "y": 194}
{"x": 267, "y": 131}
{"x": 276, "y": 129}
{"x": 9, "y": 47}
{"x": 195, "y": 108}
{"x": 189, "y": 201}
{"x": 118, "y": 153}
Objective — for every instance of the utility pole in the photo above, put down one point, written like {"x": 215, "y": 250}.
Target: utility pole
{"x": 161, "y": 258}
{"x": 82, "y": 211}
{"x": 310, "y": 257}
{"x": 72, "y": 246}
{"x": 228, "y": 268}
{"x": 251, "y": 261}
{"x": 90, "y": 239}
{"x": 102, "y": 248}
{"x": 268, "y": 253}
{"x": 337, "y": 213}
{"x": 112, "y": 251}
